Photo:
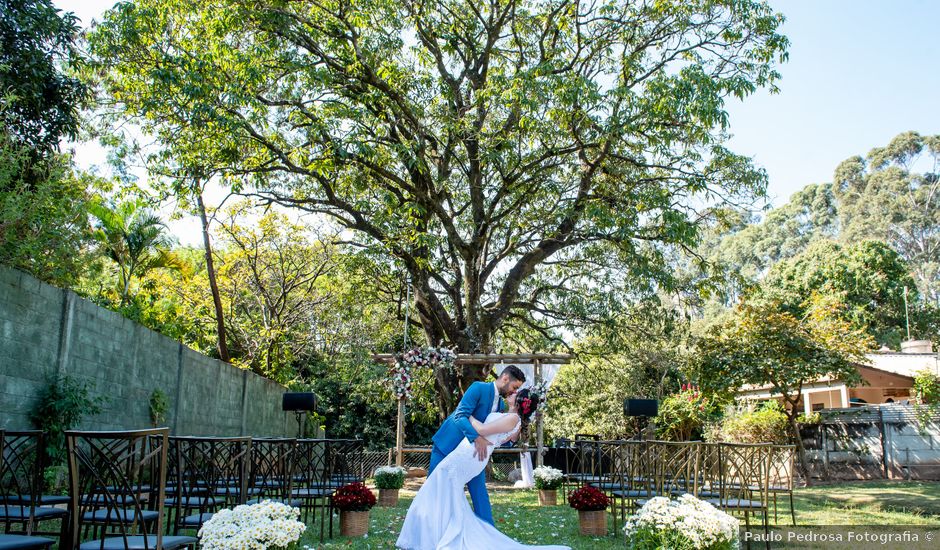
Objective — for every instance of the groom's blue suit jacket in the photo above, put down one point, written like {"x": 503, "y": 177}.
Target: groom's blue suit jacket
{"x": 476, "y": 402}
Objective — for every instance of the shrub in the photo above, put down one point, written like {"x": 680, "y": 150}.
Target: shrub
{"x": 588, "y": 499}
{"x": 354, "y": 497}
{"x": 62, "y": 404}
{"x": 159, "y": 405}
{"x": 766, "y": 424}
{"x": 389, "y": 477}
{"x": 927, "y": 387}
{"x": 684, "y": 415}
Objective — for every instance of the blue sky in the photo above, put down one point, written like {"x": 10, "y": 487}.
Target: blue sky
{"x": 860, "y": 72}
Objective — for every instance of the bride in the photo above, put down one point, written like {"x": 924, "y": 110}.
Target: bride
{"x": 440, "y": 518}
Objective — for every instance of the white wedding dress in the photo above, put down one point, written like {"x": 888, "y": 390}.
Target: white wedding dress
{"x": 440, "y": 518}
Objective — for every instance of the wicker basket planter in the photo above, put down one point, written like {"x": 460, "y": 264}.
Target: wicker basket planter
{"x": 353, "y": 524}
{"x": 388, "y": 497}
{"x": 593, "y": 522}
{"x": 548, "y": 497}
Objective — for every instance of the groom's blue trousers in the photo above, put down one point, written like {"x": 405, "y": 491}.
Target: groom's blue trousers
{"x": 476, "y": 486}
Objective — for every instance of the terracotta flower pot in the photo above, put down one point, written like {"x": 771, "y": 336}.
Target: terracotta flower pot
{"x": 593, "y": 522}
{"x": 548, "y": 497}
{"x": 388, "y": 497}
{"x": 353, "y": 524}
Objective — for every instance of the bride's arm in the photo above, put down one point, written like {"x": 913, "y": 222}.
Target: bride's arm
{"x": 503, "y": 425}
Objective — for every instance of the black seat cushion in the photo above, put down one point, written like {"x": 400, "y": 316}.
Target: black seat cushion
{"x": 196, "y": 520}
{"x": 633, "y": 493}
{"x": 124, "y": 515}
{"x": 292, "y": 502}
{"x": 193, "y": 502}
{"x": 17, "y": 542}
{"x": 735, "y": 503}
{"x": 22, "y": 512}
{"x": 312, "y": 492}
{"x": 43, "y": 499}
{"x": 138, "y": 543}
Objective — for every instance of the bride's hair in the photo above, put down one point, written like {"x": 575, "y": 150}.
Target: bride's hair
{"x": 526, "y": 405}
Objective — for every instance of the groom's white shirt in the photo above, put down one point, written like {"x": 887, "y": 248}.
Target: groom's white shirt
{"x": 495, "y": 399}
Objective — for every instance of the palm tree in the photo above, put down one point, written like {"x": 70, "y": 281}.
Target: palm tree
{"x": 136, "y": 239}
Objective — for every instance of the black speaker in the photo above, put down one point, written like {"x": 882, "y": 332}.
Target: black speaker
{"x": 640, "y": 407}
{"x": 299, "y": 401}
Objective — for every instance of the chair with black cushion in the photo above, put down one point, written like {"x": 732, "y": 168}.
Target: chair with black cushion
{"x": 272, "y": 470}
{"x": 346, "y": 461}
{"x": 204, "y": 467}
{"x": 312, "y": 481}
{"x": 630, "y": 479}
{"x": 118, "y": 488}
{"x": 21, "y": 482}
{"x": 21, "y": 542}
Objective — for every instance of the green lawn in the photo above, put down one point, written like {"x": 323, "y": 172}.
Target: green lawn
{"x": 518, "y": 515}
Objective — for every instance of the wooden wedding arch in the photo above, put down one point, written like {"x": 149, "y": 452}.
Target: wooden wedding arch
{"x": 478, "y": 359}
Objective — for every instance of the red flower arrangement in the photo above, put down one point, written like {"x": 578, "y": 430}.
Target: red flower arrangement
{"x": 354, "y": 497}
{"x": 588, "y": 499}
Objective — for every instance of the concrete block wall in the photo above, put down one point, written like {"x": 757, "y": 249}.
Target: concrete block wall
{"x": 45, "y": 331}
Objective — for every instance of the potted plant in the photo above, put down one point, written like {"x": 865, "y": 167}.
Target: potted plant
{"x": 591, "y": 505}
{"x": 388, "y": 480}
{"x": 353, "y": 502}
{"x": 686, "y": 522}
{"x": 267, "y": 524}
{"x": 547, "y": 481}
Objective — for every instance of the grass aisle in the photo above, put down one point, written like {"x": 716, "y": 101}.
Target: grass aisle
{"x": 518, "y": 514}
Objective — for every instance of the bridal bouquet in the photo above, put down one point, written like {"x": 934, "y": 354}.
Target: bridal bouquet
{"x": 547, "y": 478}
{"x": 686, "y": 523}
{"x": 258, "y": 526}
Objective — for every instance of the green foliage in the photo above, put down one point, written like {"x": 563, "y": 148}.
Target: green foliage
{"x": 810, "y": 419}
{"x": 39, "y": 103}
{"x": 43, "y": 217}
{"x": 517, "y": 177}
{"x": 641, "y": 355}
{"x": 766, "y": 423}
{"x": 683, "y": 416}
{"x": 353, "y": 401}
{"x": 60, "y": 406}
{"x": 867, "y": 277}
{"x": 882, "y": 197}
{"x": 134, "y": 238}
{"x": 386, "y": 479}
{"x": 159, "y": 406}
{"x": 927, "y": 387}
{"x": 762, "y": 345}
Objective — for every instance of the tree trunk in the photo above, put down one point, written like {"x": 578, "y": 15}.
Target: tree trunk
{"x": 213, "y": 285}
{"x": 800, "y": 449}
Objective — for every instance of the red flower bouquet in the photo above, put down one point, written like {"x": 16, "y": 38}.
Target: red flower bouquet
{"x": 588, "y": 499}
{"x": 354, "y": 497}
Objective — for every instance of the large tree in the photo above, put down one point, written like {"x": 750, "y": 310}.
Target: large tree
{"x": 525, "y": 162}
{"x": 885, "y": 196}
{"x": 38, "y": 102}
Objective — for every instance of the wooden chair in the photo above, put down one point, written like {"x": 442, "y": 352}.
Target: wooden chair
{"x": 781, "y": 476}
{"x": 21, "y": 542}
{"x": 744, "y": 481}
{"x": 21, "y": 482}
{"x": 627, "y": 481}
{"x": 117, "y": 490}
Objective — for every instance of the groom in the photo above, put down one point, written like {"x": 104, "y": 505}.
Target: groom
{"x": 481, "y": 399}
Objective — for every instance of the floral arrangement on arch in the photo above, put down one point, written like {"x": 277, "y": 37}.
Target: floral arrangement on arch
{"x": 267, "y": 524}
{"x": 588, "y": 499}
{"x": 540, "y": 391}
{"x": 547, "y": 478}
{"x": 354, "y": 497}
{"x": 686, "y": 523}
{"x": 400, "y": 372}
